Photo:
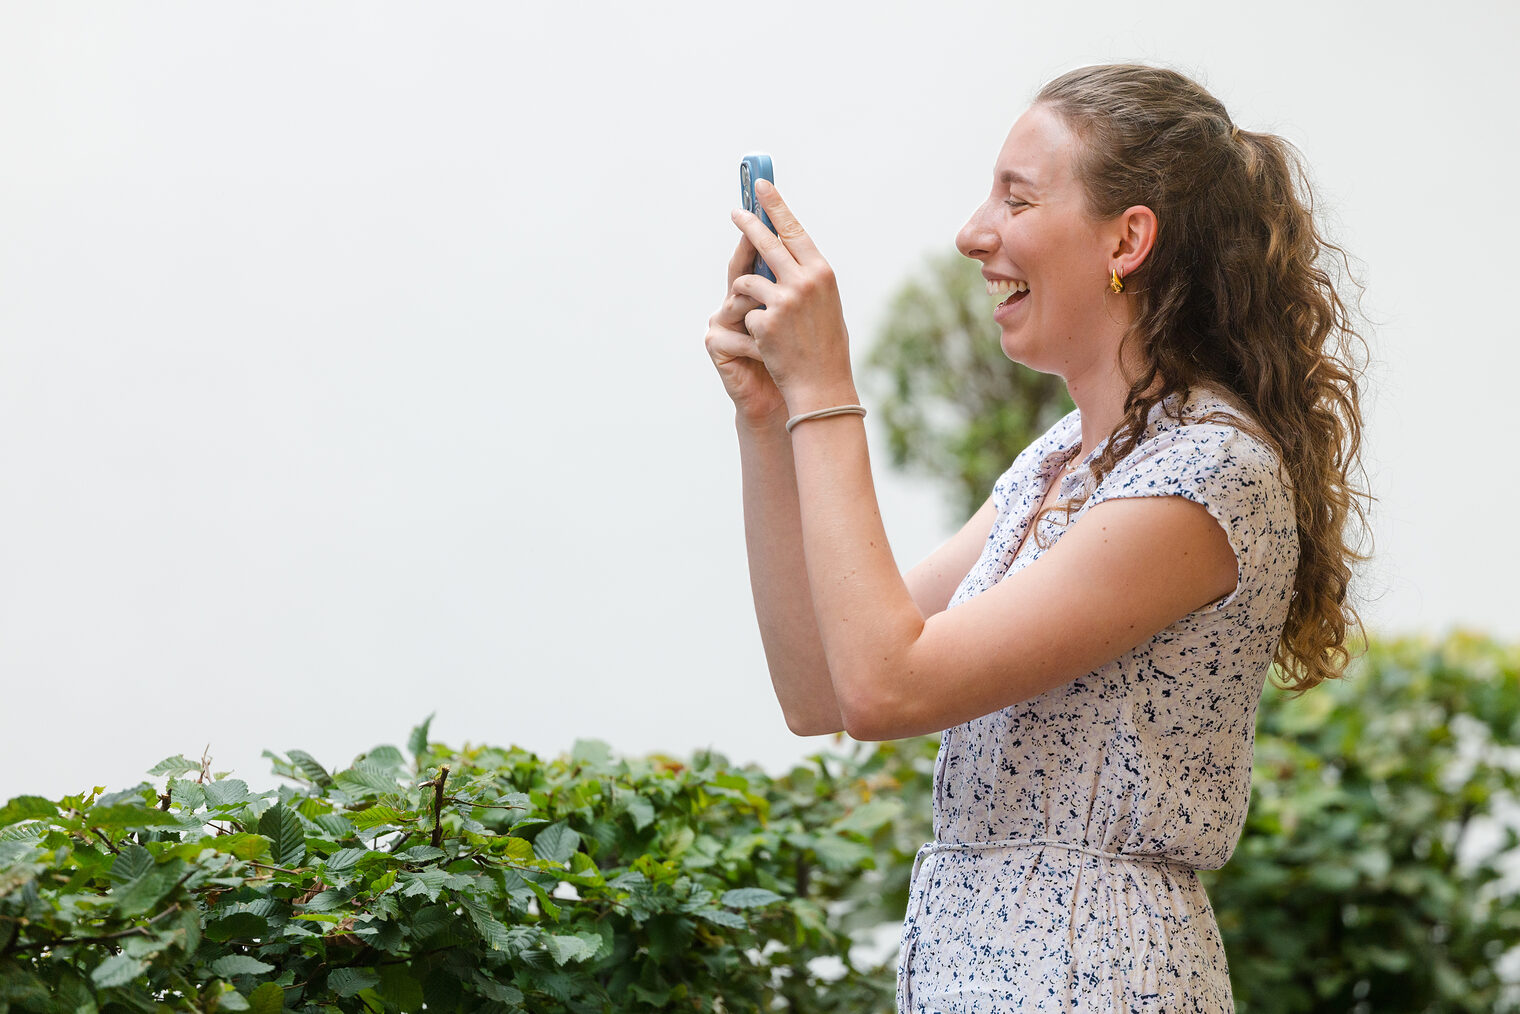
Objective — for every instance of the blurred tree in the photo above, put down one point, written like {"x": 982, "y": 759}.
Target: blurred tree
{"x": 955, "y": 407}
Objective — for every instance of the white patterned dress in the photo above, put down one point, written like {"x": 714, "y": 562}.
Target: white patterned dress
{"x": 1068, "y": 827}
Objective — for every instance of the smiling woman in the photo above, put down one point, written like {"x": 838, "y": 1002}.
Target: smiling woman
{"x": 1095, "y": 678}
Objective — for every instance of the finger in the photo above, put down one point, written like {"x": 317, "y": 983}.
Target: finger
{"x": 751, "y": 326}
{"x": 761, "y": 291}
{"x": 743, "y": 260}
{"x": 766, "y": 242}
{"x": 738, "y": 304}
{"x": 724, "y": 344}
{"x": 731, "y": 312}
{"x": 791, "y": 232}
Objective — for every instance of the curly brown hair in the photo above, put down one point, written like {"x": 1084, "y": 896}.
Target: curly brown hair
{"x": 1238, "y": 294}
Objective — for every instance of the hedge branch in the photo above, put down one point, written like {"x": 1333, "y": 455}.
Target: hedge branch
{"x": 443, "y": 776}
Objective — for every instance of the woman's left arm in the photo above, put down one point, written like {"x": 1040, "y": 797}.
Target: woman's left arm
{"x": 1125, "y": 571}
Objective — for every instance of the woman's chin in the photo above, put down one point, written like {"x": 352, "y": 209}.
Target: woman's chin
{"x": 1028, "y": 357}
{"x": 1016, "y": 349}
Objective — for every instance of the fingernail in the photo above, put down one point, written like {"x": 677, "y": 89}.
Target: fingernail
{"x": 767, "y": 184}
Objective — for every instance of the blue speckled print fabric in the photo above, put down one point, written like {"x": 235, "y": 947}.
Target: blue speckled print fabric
{"x": 1068, "y": 827}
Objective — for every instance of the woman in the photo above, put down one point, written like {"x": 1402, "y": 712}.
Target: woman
{"x": 1094, "y": 641}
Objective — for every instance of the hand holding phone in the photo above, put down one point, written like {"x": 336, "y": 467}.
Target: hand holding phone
{"x": 752, "y": 167}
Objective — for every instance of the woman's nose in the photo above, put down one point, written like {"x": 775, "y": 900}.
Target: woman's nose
{"x": 976, "y": 239}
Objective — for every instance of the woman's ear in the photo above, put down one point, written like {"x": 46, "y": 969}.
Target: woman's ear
{"x": 1134, "y": 236}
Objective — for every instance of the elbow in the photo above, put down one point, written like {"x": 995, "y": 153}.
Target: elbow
{"x": 868, "y": 727}
{"x": 863, "y": 731}
{"x": 876, "y": 693}
{"x": 871, "y": 714}
{"x": 813, "y": 725}
{"x": 817, "y": 717}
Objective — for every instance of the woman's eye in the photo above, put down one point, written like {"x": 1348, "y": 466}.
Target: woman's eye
{"x": 1014, "y": 202}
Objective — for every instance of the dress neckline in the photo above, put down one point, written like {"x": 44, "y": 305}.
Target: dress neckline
{"x": 1202, "y": 398}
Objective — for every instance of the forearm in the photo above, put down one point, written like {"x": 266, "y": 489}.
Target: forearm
{"x": 779, "y": 581}
{"x": 865, "y": 615}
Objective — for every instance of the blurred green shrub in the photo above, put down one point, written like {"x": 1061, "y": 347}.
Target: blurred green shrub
{"x": 1368, "y": 877}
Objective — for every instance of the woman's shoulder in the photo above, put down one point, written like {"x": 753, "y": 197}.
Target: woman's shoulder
{"x": 1206, "y": 447}
{"x": 1215, "y": 418}
{"x": 1207, "y": 424}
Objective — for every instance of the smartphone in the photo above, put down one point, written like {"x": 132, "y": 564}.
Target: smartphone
{"x": 756, "y": 166}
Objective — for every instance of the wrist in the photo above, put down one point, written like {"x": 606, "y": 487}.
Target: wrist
{"x": 762, "y": 423}
{"x": 810, "y": 399}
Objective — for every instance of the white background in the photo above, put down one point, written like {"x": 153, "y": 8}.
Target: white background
{"x": 351, "y": 357}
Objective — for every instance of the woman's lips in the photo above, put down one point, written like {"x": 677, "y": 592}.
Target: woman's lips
{"x": 1014, "y": 289}
{"x": 1007, "y": 307}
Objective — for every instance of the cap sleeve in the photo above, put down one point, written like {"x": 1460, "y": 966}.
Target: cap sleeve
{"x": 1235, "y": 478}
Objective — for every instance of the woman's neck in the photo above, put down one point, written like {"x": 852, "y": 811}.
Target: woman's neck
{"x": 1099, "y": 396}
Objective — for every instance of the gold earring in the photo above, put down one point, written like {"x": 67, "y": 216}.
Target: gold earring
{"x": 1114, "y": 281}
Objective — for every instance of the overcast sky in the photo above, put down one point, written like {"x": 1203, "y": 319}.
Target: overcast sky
{"x": 352, "y": 353}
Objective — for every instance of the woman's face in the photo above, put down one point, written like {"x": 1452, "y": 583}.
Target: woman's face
{"x": 1034, "y": 231}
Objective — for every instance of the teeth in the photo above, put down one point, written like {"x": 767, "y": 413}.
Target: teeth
{"x": 1003, "y": 287}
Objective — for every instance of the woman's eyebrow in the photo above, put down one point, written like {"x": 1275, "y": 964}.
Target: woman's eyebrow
{"x": 1011, "y": 176}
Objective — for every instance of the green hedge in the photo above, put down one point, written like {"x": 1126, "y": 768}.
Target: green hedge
{"x": 490, "y": 879}
{"x": 1345, "y": 892}
{"x": 485, "y": 879}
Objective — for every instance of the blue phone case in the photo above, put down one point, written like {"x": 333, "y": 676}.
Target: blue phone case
{"x": 752, "y": 167}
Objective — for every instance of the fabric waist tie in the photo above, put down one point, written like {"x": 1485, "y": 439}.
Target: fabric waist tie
{"x": 933, "y": 847}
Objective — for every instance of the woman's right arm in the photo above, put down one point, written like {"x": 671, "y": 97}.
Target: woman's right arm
{"x": 772, "y": 518}
{"x": 778, "y": 578}
{"x": 773, "y": 527}
{"x": 779, "y": 581}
